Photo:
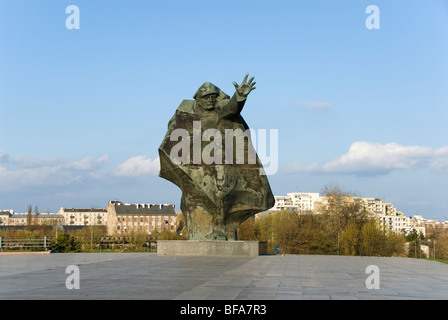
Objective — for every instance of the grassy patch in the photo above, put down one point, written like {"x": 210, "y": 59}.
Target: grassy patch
{"x": 439, "y": 260}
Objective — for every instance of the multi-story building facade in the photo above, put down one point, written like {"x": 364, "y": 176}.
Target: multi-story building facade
{"x": 398, "y": 223}
{"x": 282, "y": 203}
{"x": 4, "y": 217}
{"x": 373, "y": 205}
{"x": 117, "y": 217}
{"x": 9, "y": 218}
{"x": 84, "y": 217}
{"x": 124, "y": 217}
{"x": 377, "y": 206}
{"x": 388, "y": 217}
{"x": 300, "y": 201}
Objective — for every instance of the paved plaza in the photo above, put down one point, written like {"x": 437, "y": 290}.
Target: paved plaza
{"x": 140, "y": 276}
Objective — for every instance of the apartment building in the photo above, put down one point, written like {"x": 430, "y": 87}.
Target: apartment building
{"x": 4, "y": 217}
{"x": 84, "y": 217}
{"x": 377, "y": 206}
{"x": 388, "y": 217}
{"x": 398, "y": 223}
{"x": 124, "y": 217}
{"x": 300, "y": 201}
{"x": 373, "y": 205}
{"x": 21, "y": 219}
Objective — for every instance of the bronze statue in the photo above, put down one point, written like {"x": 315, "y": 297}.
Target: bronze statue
{"x": 220, "y": 175}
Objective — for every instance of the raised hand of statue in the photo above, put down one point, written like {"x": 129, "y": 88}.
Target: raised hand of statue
{"x": 245, "y": 87}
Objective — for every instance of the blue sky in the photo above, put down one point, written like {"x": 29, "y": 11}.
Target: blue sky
{"x": 83, "y": 112}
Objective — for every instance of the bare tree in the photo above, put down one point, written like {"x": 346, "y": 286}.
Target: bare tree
{"x": 29, "y": 215}
{"x": 342, "y": 208}
{"x": 36, "y": 214}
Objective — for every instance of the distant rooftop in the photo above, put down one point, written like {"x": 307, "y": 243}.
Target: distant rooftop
{"x": 143, "y": 209}
{"x": 85, "y": 209}
{"x": 40, "y": 215}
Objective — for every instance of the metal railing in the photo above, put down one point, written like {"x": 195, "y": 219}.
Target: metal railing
{"x": 111, "y": 242}
{"x": 24, "y": 244}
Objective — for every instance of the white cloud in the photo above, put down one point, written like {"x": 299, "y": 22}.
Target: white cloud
{"x": 3, "y": 156}
{"x": 40, "y": 176}
{"x": 440, "y": 165}
{"x": 88, "y": 163}
{"x": 375, "y": 158}
{"x": 137, "y": 166}
{"x": 27, "y": 162}
{"x": 26, "y": 172}
{"x": 320, "y": 105}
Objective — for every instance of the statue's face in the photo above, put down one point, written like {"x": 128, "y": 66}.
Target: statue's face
{"x": 207, "y": 102}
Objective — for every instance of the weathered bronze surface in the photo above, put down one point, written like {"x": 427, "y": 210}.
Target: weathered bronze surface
{"x": 216, "y": 197}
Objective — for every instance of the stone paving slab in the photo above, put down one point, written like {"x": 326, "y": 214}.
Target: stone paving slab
{"x": 146, "y": 276}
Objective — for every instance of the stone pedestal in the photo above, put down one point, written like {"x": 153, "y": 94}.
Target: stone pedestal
{"x": 210, "y": 248}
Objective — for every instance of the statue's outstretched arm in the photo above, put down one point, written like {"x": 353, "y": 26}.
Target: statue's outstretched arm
{"x": 236, "y": 103}
{"x": 245, "y": 87}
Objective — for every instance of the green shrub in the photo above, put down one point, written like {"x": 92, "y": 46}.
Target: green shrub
{"x": 66, "y": 243}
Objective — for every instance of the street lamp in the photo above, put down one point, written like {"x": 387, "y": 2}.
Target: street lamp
{"x": 434, "y": 247}
{"x": 124, "y": 235}
{"x": 149, "y": 240}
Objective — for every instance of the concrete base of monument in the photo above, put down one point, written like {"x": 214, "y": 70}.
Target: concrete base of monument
{"x": 210, "y": 248}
